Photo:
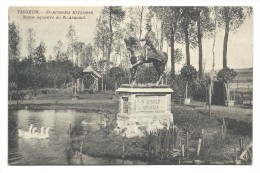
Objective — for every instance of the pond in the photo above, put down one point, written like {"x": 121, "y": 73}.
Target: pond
{"x": 53, "y": 150}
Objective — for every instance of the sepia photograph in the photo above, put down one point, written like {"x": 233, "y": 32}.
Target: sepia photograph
{"x": 130, "y": 85}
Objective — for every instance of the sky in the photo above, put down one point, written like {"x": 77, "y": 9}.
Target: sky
{"x": 50, "y": 31}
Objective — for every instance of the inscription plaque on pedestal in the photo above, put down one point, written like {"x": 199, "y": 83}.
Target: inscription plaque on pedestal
{"x": 146, "y": 103}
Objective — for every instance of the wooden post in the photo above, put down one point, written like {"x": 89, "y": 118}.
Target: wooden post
{"x": 241, "y": 146}
{"x": 182, "y": 151}
{"x": 186, "y": 96}
{"x": 187, "y": 144}
{"x": 123, "y": 150}
{"x": 202, "y": 134}
{"x": 198, "y": 121}
{"x": 102, "y": 82}
{"x": 69, "y": 132}
{"x": 80, "y": 154}
{"x": 224, "y": 130}
{"x": 199, "y": 145}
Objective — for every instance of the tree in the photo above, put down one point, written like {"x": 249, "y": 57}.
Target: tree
{"x": 114, "y": 15}
{"x": 117, "y": 74}
{"x": 76, "y": 73}
{"x": 205, "y": 26}
{"x": 39, "y": 75}
{"x": 189, "y": 73}
{"x": 39, "y": 54}
{"x": 226, "y": 75}
{"x": 101, "y": 40}
{"x": 170, "y": 18}
{"x": 72, "y": 37}
{"x": 78, "y": 48}
{"x": 231, "y": 18}
{"x": 136, "y": 15}
{"x": 58, "y": 51}
{"x": 14, "y": 41}
{"x": 188, "y": 18}
{"x": 31, "y": 42}
{"x": 87, "y": 55}
{"x": 178, "y": 56}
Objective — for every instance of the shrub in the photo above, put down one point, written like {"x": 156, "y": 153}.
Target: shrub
{"x": 189, "y": 73}
{"x": 226, "y": 75}
{"x": 147, "y": 75}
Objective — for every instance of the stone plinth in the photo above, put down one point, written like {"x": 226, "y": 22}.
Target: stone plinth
{"x": 143, "y": 108}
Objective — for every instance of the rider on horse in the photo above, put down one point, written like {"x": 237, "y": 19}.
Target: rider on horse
{"x": 139, "y": 55}
{"x": 150, "y": 38}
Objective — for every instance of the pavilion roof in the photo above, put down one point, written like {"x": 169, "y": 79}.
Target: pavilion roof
{"x": 89, "y": 70}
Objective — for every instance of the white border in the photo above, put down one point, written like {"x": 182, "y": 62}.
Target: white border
{"x": 43, "y": 169}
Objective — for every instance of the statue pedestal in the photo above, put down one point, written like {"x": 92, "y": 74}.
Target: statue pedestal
{"x": 143, "y": 108}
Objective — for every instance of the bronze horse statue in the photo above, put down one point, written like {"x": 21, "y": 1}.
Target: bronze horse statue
{"x": 140, "y": 55}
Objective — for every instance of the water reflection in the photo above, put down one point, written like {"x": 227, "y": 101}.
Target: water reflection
{"x": 54, "y": 150}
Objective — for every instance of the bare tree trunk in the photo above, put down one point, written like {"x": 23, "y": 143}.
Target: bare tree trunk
{"x": 214, "y": 40}
{"x": 172, "y": 53}
{"x": 225, "y": 44}
{"x": 110, "y": 38}
{"x": 186, "y": 91}
{"x": 200, "y": 46}
{"x": 187, "y": 46}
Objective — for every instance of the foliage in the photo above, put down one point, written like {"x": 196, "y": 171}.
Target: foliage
{"x": 234, "y": 16}
{"x": 39, "y": 54}
{"x": 58, "y": 50}
{"x": 226, "y": 75}
{"x": 147, "y": 75}
{"x": 72, "y": 37}
{"x": 31, "y": 41}
{"x": 86, "y": 55}
{"x": 76, "y": 72}
{"x": 170, "y": 17}
{"x": 170, "y": 22}
{"x": 178, "y": 85}
{"x": 101, "y": 39}
{"x": 116, "y": 73}
{"x": 178, "y": 55}
{"x": 136, "y": 15}
{"x": 164, "y": 144}
{"x": 116, "y": 11}
{"x": 189, "y": 73}
{"x": 206, "y": 21}
{"x": 49, "y": 74}
{"x": 115, "y": 78}
{"x": 14, "y": 41}
{"x": 114, "y": 15}
{"x": 200, "y": 89}
{"x": 231, "y": 18}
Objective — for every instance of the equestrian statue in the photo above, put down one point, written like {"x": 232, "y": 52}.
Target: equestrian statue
{"x": 145, "y": 54}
